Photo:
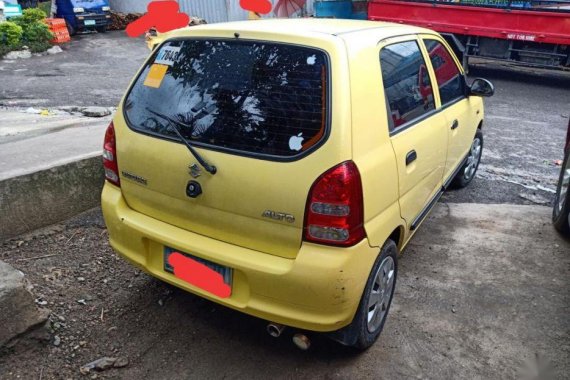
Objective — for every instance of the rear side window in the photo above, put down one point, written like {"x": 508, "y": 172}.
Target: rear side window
{"x": 407, "y": 84}
{"x": 450, "y": 81}
{"x": 253, "y": 98}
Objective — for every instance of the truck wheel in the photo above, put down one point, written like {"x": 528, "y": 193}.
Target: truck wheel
{"x": 468, "y": 170}
{"x": 377, "y": 297}
{"x": 102, "y": 29}
{"x": 561, "y": 208}
{"x": 71, "y": 29}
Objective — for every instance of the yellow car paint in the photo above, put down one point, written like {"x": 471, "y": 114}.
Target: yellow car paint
{"x": 277, "y": 275}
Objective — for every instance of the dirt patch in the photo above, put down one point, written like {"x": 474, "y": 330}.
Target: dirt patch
{"x": 482, "y": 292}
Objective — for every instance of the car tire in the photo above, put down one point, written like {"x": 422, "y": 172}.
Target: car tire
{"x": 469, "y": 168}
{"x": 368, "y": 331}
{"x": 561, "y": 207}
{"x": 102, "y": 29}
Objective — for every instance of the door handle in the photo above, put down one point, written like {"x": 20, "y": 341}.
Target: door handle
{"x": 411, "y": 157}
{"x": 455, "y": 125}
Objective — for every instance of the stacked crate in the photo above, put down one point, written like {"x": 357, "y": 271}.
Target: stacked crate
{"x": 59, "y": 29}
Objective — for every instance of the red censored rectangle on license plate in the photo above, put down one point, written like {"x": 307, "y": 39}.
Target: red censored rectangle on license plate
{"x": 204, "y": 274}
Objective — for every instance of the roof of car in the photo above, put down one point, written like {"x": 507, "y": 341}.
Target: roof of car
{"x": 303, "y": 26}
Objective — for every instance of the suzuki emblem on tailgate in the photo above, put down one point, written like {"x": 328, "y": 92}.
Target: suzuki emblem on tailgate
{"x": 278, "y": 216}
{"x": 195, "y": 171}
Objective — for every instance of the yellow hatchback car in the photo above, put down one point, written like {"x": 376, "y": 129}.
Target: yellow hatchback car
{"x": 278, "y": 167}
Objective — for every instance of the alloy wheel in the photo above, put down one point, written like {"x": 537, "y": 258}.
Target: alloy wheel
{"x": 473, "y": 159}
{"x": 381, "y": 293}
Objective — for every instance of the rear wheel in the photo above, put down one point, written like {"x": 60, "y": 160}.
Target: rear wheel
{"x": 562, "y": 200}
{"x": 377, "y": 297}
{"x": 468, "y": 170}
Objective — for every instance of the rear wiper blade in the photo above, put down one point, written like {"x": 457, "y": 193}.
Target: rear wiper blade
{"x": 175, "y": 123}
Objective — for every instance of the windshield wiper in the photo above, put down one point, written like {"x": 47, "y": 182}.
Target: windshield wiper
{"x": 174, "y": 123}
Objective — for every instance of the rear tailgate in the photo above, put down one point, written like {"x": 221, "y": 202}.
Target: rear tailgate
{"x": 257, "y": 197}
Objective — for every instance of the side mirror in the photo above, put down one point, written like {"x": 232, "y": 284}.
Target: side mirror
{"x": 481, "y": 87}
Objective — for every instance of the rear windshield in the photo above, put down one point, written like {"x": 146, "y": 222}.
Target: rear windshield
{"x": 252, "y": 97}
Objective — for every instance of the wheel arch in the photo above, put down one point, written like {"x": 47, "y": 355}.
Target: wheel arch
{"x": 397, "y": 236}
{"x": 348, "y": 335}
{"x": 387, "y": 224}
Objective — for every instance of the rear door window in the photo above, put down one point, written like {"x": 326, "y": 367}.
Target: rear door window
{"x": 407, "y": 86}
{"x": 450, "y": 81}
{"x": 253, "y": 98}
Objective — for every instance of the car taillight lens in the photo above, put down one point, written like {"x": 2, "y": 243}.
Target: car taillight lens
{"x": 110, "y": 156}
{"x": 334, "y": 214}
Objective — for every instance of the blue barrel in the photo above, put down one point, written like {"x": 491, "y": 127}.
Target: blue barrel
{"x": 334, "y": 9}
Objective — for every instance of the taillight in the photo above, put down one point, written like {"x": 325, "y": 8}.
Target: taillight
{"x": 110, "y": 156}
{"x": 334, "y": 214}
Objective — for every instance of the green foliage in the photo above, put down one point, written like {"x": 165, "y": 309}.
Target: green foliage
{"x": 30, "y": 16}
{"x": 28, "y": 29}
{"x": 37, "y": 37}
{"x": 35, "y": 33}
{"x": 10, "y": 35}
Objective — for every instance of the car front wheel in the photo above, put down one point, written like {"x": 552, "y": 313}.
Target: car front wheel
{"x": 562, "y": 200}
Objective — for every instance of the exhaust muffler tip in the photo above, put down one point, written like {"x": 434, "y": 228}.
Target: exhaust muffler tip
{"x": 275, "y": 329}
{"x": 302, "y": 341}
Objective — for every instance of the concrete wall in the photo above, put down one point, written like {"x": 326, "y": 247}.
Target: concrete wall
{"x": 43, "y": 198}
{"x": 210, "y": 10}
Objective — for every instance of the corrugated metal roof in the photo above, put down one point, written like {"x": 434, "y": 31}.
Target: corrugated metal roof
{"x": 224, "y": 10}
{"x": 210, "y": 10}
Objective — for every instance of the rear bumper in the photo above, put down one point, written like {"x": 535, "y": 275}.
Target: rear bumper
{"x": 319, "y": 290}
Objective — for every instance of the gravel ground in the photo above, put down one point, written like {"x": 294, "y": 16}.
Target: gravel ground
{"x": 472, "y": 301}
{"x": 524, "y": 131}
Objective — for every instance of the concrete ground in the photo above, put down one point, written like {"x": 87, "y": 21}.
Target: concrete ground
{"x": 524, "y": 128}
{"x": 50, "y": 167}
{"x": 482, "y": 292}
{"x": 524, "y": 131}
{"x": 32, "y": 142}
{"x": 93, "y": 70}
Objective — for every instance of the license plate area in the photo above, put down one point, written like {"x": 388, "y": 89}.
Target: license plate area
{"x": 225, "y": 272}
{"x": 90, "y": 22}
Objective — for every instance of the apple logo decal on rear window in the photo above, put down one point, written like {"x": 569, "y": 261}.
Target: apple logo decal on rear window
{"x": 296, "y": 142}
